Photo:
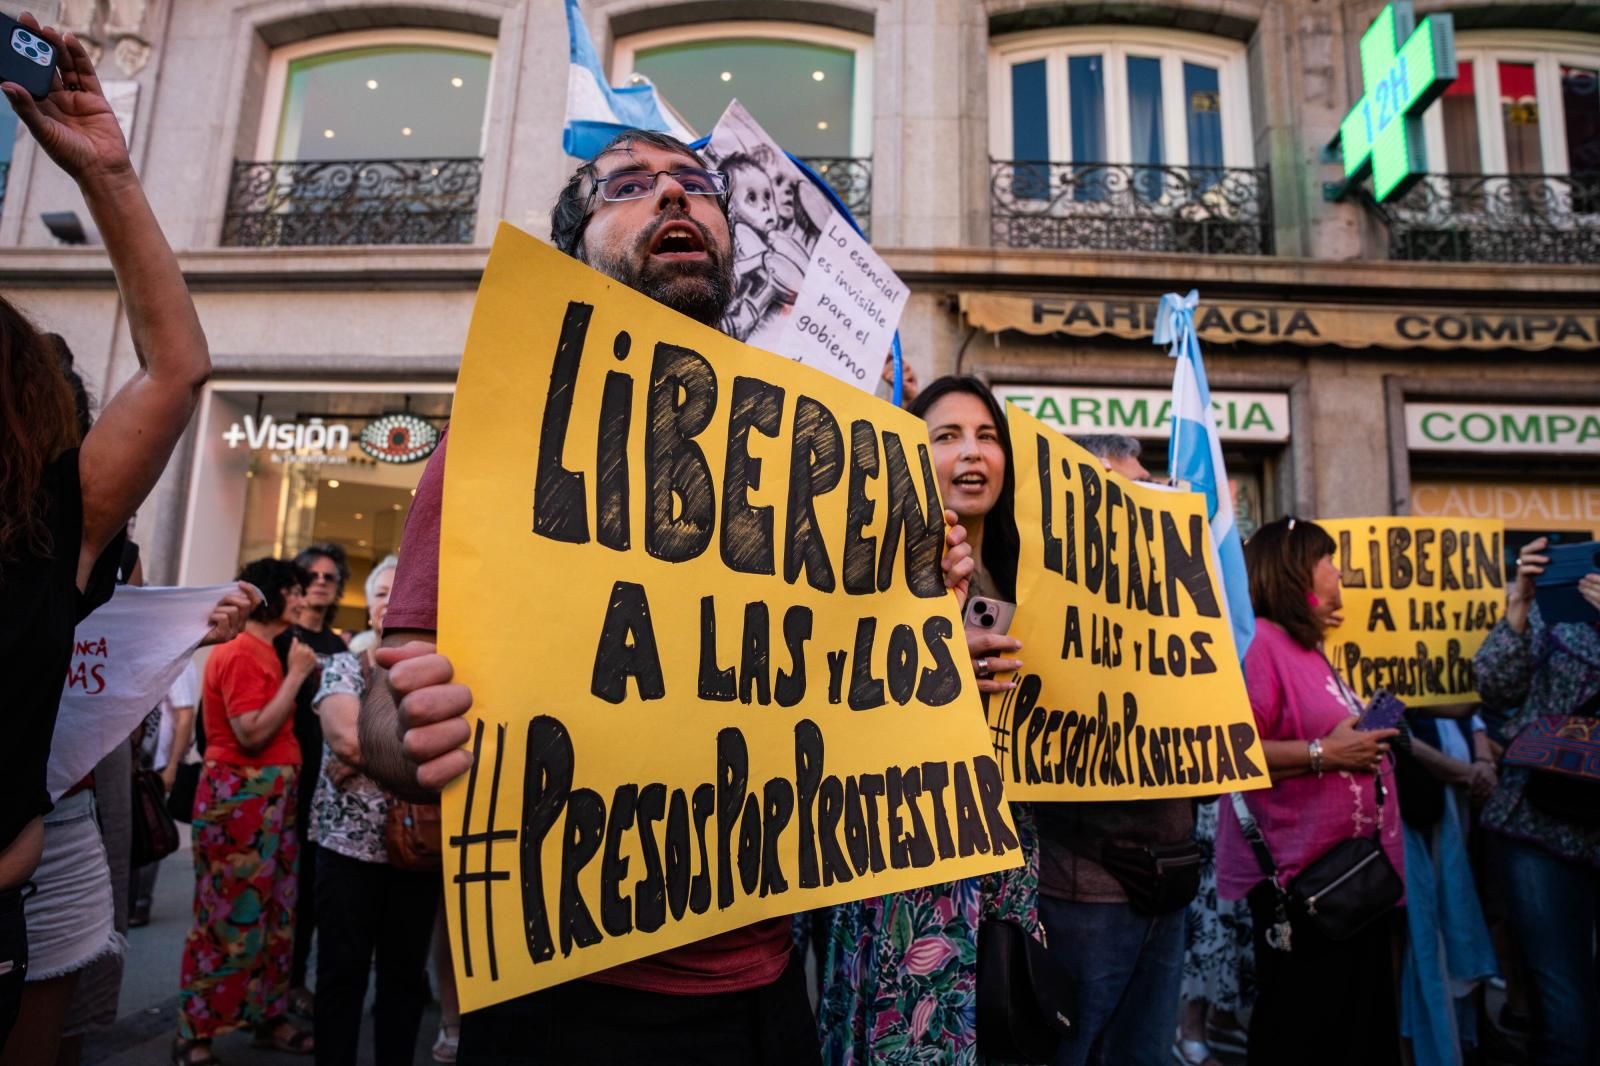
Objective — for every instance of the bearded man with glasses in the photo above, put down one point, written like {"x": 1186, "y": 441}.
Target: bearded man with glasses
{"x": 649, "y": 213}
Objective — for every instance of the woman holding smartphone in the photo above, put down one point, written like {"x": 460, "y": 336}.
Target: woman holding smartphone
{"x": 1546, "y": 831}
{"x": 64, "y": 501}
{"x": 880, "y": 1005}
{"x": 1322, "y": 1001}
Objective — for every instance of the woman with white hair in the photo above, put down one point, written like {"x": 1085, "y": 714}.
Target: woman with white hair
{"x": 366, "y": 905}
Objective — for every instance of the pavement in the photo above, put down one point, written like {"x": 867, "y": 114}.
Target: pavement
{"x": 148, "y": 1012}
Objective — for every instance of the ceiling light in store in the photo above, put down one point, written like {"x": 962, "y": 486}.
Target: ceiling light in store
{"x": 328, "y": 134}
{"x": 361, "y": 544}
{"x": 457, "y": 82}
{"x": 817, "y": 75}
{"x": 405, "y": 131}
{"x": 359, "y": 516}
{"x": 397, "y": 507}
{"x": 372, "y": 83}
{"x": 822, "y": 125}
{"x": 727, "y": 75}
{"x": 413, "y": 492}
{"x": 333, "y": 483}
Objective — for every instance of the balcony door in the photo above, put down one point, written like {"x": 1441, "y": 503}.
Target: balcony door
{"x": 367, "y": 138}
{"x": 1141, "y": 99}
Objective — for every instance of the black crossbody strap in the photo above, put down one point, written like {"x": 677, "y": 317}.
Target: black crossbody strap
{"x": 1252, "y": 835}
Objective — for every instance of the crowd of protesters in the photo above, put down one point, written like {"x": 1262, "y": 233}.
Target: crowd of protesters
{"x": 315, "y": 761}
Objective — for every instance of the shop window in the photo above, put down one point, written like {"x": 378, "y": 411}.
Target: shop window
{"x": 809, "y": 87}
{"x": 282, "y": 466}
{"x": 1148, "y": 130}
{"x": 369, "y": 138}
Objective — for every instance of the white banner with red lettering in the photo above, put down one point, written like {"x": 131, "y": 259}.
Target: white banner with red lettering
{"x": 124, "y": 658}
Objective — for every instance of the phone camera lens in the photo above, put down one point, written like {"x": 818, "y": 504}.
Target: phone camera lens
{"x": 986, "y": 619}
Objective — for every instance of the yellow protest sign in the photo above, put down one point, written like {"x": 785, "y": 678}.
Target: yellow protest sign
{"x": 1420, "y": 594}
{"x": 696, "y": 591}
{"x": 1131, "y": 687}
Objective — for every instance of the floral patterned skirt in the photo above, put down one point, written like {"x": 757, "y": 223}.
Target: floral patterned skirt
{"x": 236, "y": 958}
{"x": 1219, "y": 965}
{"x": 899, "y": 972}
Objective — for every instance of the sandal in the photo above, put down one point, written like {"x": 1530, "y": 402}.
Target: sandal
{"x": 1230, "y": 1038}
{"x": 1193, "y": 1052}
{"x": 182, "y": 1053}
{"x": 447, "y": 1044}
{"x": 303, "y": 1003}
{"x": 280, "y": 1034}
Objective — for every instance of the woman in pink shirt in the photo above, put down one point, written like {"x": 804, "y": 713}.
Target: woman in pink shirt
{"x": 1324, "y": 1001}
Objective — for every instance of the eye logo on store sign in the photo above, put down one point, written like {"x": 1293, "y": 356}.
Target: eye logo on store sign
{"x": 399, "y": 438}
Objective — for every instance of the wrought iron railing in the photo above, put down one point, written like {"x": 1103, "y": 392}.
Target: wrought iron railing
{"x": 851, "y": 179}
{"x": 1497, "y": 218}
{"x": 1131, "y": 207}
{"x": 362, "y": 201}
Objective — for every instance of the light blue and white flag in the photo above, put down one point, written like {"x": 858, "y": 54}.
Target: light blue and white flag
{"x": 1196, "y": 456}
{"x": 597, "y": 112}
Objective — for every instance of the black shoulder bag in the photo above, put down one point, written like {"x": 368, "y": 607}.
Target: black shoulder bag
{"x": 1025, "y": 1000}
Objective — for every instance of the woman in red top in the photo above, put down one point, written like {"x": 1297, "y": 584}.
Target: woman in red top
{"x": 236, "y": 958}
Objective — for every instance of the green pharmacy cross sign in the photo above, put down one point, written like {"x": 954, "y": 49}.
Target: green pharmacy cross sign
{"x": 1405, "y": 67}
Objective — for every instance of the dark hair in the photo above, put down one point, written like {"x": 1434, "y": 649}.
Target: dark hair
{"x": 1281, "y": 557}
{"x": 37, "y": 424}
{"x": 334, "y": 553}
{"x": 571, "y": 212}
{"x": 274, "y": 577}
{"x": 82, "y": 402}
{"x": 1001, "y": 542}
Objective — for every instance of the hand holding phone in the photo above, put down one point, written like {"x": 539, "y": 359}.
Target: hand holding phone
{"x": 1556, "y": 586}
{"x": 1384, "y": 712}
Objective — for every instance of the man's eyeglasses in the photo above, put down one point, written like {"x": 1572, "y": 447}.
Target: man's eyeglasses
{"x": 637, "y": 184}
{"x": 319, "y": 575}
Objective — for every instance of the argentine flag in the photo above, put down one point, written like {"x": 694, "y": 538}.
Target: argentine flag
{"x": 596, "y": 112}
{"x": 1196, "y": 456}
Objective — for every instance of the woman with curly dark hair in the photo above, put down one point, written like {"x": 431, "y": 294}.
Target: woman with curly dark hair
{"x": 64, "y": 500}
{"x": 237, "y": 956}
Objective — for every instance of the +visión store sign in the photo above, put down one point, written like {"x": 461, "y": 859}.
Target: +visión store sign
{"x": 1404, "y": 68}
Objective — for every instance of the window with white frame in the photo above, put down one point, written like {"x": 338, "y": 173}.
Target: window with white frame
{"x": 810, "y": 87}
{"x": 1522, "y": 104}
{"x": 1125, "y": 96}
{"x": 385, "y": 94}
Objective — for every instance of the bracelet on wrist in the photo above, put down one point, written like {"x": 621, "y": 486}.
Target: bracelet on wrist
{"x": 1315, "y": 750}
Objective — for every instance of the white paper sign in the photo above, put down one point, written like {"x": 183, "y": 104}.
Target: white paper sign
{"x": 124, "y": 658}
{"x": 806, "y": 284}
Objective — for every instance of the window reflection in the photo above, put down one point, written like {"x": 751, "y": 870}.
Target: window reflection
{"x": 777, "y": 81}
{"x": 395, "y": 102}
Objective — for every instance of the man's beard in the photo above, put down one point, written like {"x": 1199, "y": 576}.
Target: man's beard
{"x": 701, "y": 289}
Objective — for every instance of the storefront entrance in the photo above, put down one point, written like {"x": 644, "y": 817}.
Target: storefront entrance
{"x": 280, "y": 466}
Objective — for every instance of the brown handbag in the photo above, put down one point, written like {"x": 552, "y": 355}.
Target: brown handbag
{"x": 413, "y": 835}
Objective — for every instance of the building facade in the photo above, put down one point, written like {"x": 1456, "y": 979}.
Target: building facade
{"x": 331, "y": 173}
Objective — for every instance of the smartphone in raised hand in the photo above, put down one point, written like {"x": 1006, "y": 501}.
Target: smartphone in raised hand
{"x": 26, "y": 58}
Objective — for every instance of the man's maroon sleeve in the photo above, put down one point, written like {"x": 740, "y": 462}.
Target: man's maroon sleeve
{"x": 414, "y": 598}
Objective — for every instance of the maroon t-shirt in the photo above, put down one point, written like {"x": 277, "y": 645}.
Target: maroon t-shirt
{"x": 735, "y": 961}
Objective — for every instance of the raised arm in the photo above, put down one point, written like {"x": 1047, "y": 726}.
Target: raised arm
{"x": 255, "y": 729}
{"x": 127, "y": 449}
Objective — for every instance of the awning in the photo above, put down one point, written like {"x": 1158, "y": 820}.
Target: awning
{"x": 1267, "y": 322}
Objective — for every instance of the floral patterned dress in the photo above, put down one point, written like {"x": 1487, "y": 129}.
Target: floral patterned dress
{"x": 1539, "y": 672}
{"x": 899, "y": 977}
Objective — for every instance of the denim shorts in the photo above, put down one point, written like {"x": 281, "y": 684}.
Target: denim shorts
{"x": 70, "y": 914}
